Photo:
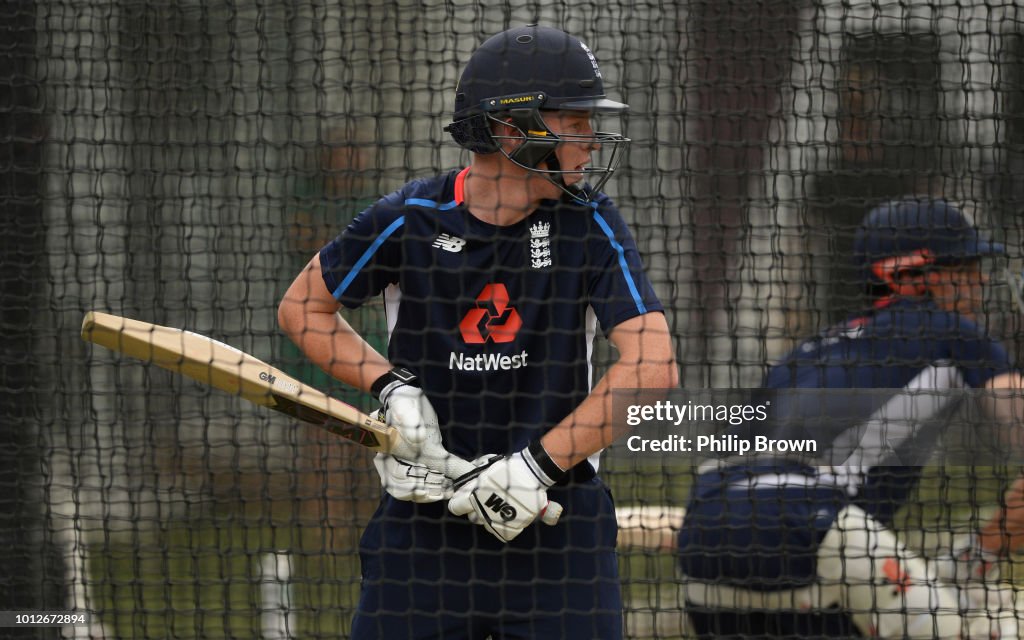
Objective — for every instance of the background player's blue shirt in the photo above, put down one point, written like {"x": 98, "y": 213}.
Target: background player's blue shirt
{"x": 905, "y": 356}
{"x": 498, "y": 322}
{"x": 889, "y": 347}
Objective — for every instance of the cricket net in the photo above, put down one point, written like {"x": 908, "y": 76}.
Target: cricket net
{"x": 179, "y": 162}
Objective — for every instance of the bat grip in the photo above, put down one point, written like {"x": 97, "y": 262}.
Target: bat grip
{"x": 461, "y": 472}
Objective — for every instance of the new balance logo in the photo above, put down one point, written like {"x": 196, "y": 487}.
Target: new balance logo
{"x": 449, "y": 243}
{"x": 504, "y": 510}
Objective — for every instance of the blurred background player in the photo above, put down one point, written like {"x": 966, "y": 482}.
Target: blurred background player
{"x": 803, "y": 547}
{"x": 327, "y": 194}
{"x": 336, "y": 485}
{"x": 495, "y": 278}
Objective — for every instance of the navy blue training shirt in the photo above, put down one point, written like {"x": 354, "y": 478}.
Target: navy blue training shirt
{"x": 891, "y": 346}
{"x": 889, "y": 372}
{"x": 498, "y": 322}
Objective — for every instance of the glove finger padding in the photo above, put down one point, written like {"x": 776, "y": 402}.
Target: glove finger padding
{"x": 505, "y": 498}
{"x": 480, "y": 465}
{"x": 411, "y": 482}
{"x": 967, "y": 562}
{"x": 974, "y": 572}
{"x": 409, "y": 410}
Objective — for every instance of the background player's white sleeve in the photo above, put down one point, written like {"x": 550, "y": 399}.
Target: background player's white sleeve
{"x": 888, "y": 591}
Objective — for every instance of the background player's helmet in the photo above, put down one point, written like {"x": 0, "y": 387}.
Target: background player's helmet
{"x": 515, "y": 75}
{"x": 912, "y": 234}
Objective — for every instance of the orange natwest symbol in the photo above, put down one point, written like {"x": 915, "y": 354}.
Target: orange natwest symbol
{"x": 493, "y": 319}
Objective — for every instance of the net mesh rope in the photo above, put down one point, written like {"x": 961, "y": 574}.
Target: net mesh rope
{"x": 179, "y": 162}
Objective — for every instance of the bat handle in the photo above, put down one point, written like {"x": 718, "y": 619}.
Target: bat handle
{"x": 550, "y": 514}
{"x": 461, "y": 472}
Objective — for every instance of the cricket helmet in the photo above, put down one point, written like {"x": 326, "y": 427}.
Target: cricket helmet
{"x": 912, "y": 234}
{"x": 513, "y": 77}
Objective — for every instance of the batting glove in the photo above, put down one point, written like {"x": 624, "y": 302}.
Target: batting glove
{"x": 508, "y": 493}
{"x": 407, "y": 409}
{"x": 411, "y": 482}
{"x": 973, "y": 571}
{"x": 967, "y": 561}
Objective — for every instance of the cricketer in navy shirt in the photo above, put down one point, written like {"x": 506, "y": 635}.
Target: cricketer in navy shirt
{"x": 758, "y": 524}
{"x": 498, "y": 322}
{"x": 909, "y": 350}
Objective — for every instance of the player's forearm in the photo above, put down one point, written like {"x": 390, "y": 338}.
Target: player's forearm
{"x": 590, "y": 428}
{"x": 308, "y": 315}
{"x": 1004, "y": 533}
{"x": 1003, "y": 404}
{"x": 331, "y": 343}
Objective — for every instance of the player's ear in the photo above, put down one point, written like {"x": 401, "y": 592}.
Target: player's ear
{"x": 505, "y": 132}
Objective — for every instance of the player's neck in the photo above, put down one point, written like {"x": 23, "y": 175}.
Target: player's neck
{"x": 497, "y": 196}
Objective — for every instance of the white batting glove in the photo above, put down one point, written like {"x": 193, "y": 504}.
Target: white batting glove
{"x": 973, "y": 571}
{"x": 967, "y": 561}
{"x": 509, "y": 493}
{"x": 411, "y": 482}
{"x": 407, "y": 408}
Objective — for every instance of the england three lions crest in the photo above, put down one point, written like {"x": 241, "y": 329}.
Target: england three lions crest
{"x": 540, "y": 245}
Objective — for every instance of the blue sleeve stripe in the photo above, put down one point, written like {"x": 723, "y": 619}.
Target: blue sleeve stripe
{"x": 640, "y": 306}
{"x": 423, "y": 202}
{"x": 363, "y": 259}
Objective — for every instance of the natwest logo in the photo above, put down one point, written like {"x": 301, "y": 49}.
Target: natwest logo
{"x": 493, "y": 319}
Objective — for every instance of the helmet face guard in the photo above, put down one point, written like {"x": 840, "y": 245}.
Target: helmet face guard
{"x": 510, "y": 80}
{"x": 891, "y": 271}
{"x": 533, "y": 147}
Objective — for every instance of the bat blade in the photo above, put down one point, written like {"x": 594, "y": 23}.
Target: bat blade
{"x": 231, "y": 370}
{"x": 226, "y": 368}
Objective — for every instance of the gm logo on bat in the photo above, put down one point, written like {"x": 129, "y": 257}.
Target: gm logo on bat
{"x": 270, "y": 378}
{"x": 504, "y": 510}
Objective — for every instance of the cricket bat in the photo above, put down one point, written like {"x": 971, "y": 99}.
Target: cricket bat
{"x": 226, "y": 368}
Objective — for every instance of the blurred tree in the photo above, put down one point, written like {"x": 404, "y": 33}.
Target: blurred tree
{"x": 887, "y": 146}
{"x": 31, "y": 575}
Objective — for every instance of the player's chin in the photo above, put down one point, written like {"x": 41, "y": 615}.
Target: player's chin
{"x": 574, "y": 178}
